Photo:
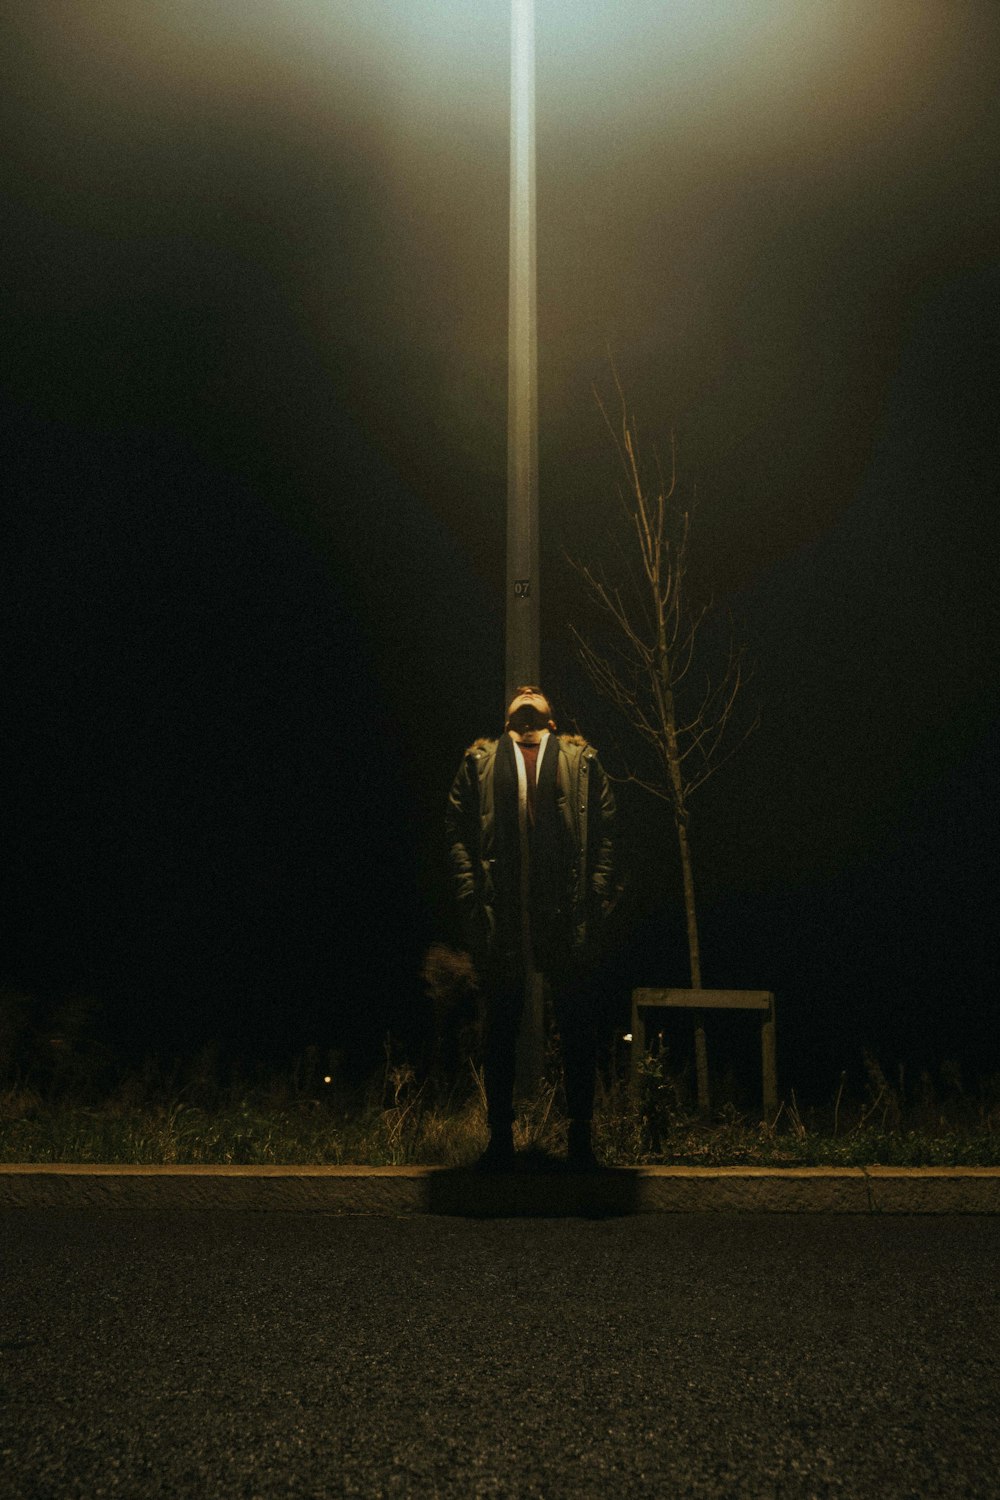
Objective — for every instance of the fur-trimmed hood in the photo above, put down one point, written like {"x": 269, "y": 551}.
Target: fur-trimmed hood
{"x": 485, "y": 743}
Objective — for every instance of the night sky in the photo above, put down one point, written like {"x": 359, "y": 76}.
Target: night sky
{"x": 254, "y": 405}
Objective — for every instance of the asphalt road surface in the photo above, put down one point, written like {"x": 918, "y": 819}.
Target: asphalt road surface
{"x": 238, "y": 1354}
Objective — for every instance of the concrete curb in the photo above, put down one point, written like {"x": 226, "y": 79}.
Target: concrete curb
{"x": 551, "y": 1192}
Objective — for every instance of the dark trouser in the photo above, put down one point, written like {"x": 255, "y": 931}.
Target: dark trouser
{"x": 573, "y": 1003}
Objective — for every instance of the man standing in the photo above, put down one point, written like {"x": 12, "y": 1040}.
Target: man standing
{"x": 530, "y": 825}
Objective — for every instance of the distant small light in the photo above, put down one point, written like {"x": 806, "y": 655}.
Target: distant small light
{"x": 327, "y": 1078}
{"x": 627, "y": 1037}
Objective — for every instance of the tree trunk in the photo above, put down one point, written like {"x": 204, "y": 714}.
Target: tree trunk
{"x": 673, "y": 760}
{"x": 690, "y": 911}
{"x": 694, "y": 954}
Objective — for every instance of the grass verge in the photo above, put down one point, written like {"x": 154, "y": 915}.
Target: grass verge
{"x": 306, "y": 1117}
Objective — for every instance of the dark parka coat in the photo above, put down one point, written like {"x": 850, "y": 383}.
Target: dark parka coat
{"x": 586, "y": 805}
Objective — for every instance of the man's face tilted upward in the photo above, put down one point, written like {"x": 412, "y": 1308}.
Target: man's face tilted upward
{"x": 529, "y": 713}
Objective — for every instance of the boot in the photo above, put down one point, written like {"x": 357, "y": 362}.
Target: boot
{"x": 581, "y": 1152}
{"x": 499, "y": 1154}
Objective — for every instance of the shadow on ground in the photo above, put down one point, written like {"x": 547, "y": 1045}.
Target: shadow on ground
{"x": 538, "y": 1186}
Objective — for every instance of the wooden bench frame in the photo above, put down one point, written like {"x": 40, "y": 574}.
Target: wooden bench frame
{"x": 761, "y": 1000}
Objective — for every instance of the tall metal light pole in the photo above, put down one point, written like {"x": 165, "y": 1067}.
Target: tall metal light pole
{"x": 523, "y": 649}
{"x": 522, "y": 373}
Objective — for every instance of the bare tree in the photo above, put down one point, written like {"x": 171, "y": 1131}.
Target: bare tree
{"x": 653, "y": 671}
